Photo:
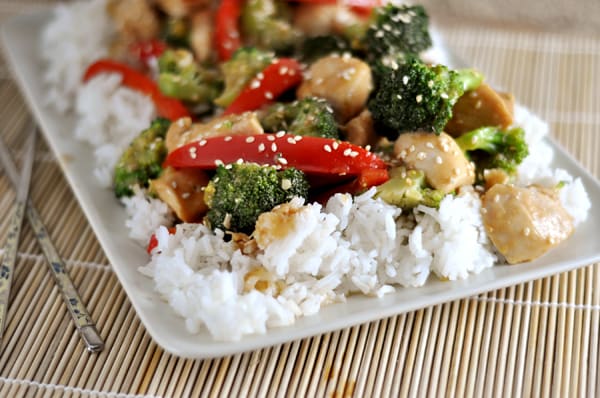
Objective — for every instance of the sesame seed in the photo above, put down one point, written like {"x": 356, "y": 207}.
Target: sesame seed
{"x": 282, "y": 160}
{"x": 353, "y": 154}
{"x": 255, "y": 84}
{"x": 298, "y": 138}
{"x": 398, "y": 96}
{"x": 402, "y": 154}
{"x": 368, "y": 148}
{"x": 280, "y": 134}
{"x": 327, "y": 148}
{"x": 347, "y": 151}
{"x": 193, "y": 155}
{"x": 261, "y": 147}
{"x": 526, "y": 231}
{"x": 202, "y": 143}
{"x": 227, "y": 138}
{"x": 250, "y": 139}
{"x": 269, "y": 95}
{"x": 421, "y": 155}
{"x": 335, "y": 145}
{"x": 218, "y": 162}
{"x": 271, "y": 137}
{"x": 174, "y": 184}
{"x": 274, "y": 147}
{"x": 239, "y": 161}
{"x": 291, "y": 141}
{"x": 283, "y": 70}
{"x": 438, "y": 160}
{"x": 185, "y": 195}
{"x": 444, "y": 95}
{"x": 286, "y": 184}
{"x": 429, "y": 145}
{"x": 419, "y": 98}
{"x": 181, "y": 122}
{"x": 411, "y": 148}
{"x": 260, "y": 76}
{"x": 405, "y": 80}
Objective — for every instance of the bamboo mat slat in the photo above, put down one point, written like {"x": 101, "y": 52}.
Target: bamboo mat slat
{"x": 540, "y": 338}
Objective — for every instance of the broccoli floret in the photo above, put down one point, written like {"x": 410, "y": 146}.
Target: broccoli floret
{"x": 316, "y": 47}
{"x": 142, "y": 160}
{"x": 267, "y": 24}
{"x": 181, "y": 77}
{"x": 398, "y": 29}
{"x": 239, "y": 193}
{"x": 494, "y": 148}
{"x": 245, "y": 63}
{"x": 407, "y": 189}
{"x": 308, "y": 116}
{"x": 418, "y": 97}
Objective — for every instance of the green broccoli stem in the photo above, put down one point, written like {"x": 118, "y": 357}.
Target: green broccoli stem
{"x": 470, "y": 79}
{"x": 483, "y": 138}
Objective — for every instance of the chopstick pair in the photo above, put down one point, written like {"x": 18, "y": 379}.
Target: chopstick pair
{"x": 23, "y": 206}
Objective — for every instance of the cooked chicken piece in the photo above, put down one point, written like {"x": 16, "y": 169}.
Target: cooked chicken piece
{"x": 360, "y": 130}
{"x": 183, "y": 191}
{"x": 495, "y": 176}
{"x": 481, "y": 107}
{"x": 201, "y": 35}
{"x": 183, "y": 131}
{"x": 263, "y": 280}
{"x": 345, "y": 82}
{"x": 135, "y": 20}
{"x": 439, "y": 156}
{"x": 524, "y": 223}
{"x": 181, "y": 8}
{"x": 323, "y": 19}
{"x": 276, "y": 224}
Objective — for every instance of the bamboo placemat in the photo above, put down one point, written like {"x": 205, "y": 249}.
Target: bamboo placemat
{"x": 535, "y": 339}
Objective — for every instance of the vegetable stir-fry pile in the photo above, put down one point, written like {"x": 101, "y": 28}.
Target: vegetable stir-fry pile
{"x": 265, "y": 100}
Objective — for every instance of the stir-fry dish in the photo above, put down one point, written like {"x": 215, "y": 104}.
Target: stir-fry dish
{"x": 277, "y": 156}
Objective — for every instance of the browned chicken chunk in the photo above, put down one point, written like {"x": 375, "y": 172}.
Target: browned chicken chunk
{"x": 439, "y": 156}
{"x": 345, "y": 82}
{"x": 481, "y": 107}
{"x": 181, "y": 8}
{"x": 201, "y": 34}
{"x": 524, "y": 223}
{"x": 183, "y": 191}
{"x": 361, "y": 130}
{"x": 322, "y": 19}
{"x": 183, "y": 131}
{"x": 134, "y": 19}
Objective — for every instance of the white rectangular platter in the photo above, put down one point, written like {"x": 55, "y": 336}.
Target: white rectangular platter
{"x": 106, "y": 216}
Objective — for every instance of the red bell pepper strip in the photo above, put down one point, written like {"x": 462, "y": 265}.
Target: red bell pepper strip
{"x": 227, "y": 31}
{"x": 366, "y": 179}
{"x": 153, "y": 242}
{"x": 359, "y": 6}
{"x": 144, "y": 51}
{"x": 280, "y": 76}
{"x": 312, "y": 155}
{"x": 167, "y": 107}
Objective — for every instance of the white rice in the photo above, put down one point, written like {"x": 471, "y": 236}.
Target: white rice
{"x": 109, "y": 116}
{"x": 145, "y": 215}
{"x": 351, "y": 245}
{"x": 78, "y": 34}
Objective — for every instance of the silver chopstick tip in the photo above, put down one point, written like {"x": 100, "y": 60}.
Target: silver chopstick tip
{"x": 92, "y": 339}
